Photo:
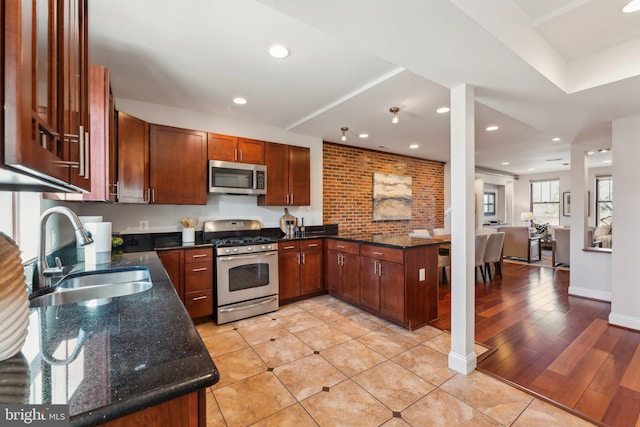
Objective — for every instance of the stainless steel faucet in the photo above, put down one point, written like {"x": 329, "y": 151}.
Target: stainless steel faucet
{"x": 82, "y": 236}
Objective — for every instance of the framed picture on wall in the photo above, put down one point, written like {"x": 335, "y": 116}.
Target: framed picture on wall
{"x": 566, "y": 203}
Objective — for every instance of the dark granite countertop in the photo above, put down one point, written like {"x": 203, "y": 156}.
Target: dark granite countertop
{"x": 138, "y": 351}
{"x": 389, "y": 240}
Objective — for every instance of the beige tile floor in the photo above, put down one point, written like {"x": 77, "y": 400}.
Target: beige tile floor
{"x": 324, "y": 362}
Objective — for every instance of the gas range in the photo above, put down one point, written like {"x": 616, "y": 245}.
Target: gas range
{"x": 236, "y": 237}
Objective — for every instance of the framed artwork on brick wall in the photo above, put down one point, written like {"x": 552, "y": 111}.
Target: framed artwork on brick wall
{"x": 391, "y": 197}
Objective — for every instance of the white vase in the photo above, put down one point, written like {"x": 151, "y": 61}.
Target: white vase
{"x": 14, "y": 300}
{"x": 188, "y": 235}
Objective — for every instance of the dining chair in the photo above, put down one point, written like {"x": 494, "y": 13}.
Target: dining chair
{"x": 493, "y": 253}
{"x": 444, "y": 254}
{"x": 481, "y": 245}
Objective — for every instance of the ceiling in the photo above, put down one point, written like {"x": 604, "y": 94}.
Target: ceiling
{"x": 540, "y": 68}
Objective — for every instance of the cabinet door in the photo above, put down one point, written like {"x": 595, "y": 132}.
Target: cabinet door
{"x": 251, "y": 151}
{"x": 369, "y": 283}
{"x": 333, "y": 278}
{"x": 299, "y": 176}
{"x": 288, "y": 275}
{"x": 75, "y": 84}
{"x": 351, "y": 277}
{"x": 172, "y": 261}
{"x": 133, "y": 159}
{"x": 311, "y": 271}
{"x": 222, "y": 147}
{"x": 178, "y": 166}
{"x": 392, "y": 296}
{"x": 276, "y": 159}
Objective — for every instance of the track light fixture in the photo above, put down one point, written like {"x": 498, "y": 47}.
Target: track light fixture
{"x": 395, "y": 111}
{"x": 344, "y": 133}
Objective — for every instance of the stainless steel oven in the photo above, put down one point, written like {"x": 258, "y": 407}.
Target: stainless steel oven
{"x": 246, "y": 270}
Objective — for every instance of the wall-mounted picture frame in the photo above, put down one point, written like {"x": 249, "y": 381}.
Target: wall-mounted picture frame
{"x": 566, "y": 203}
{"x": 391, "y": 197}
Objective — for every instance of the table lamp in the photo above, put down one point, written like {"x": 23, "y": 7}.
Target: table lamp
{"x": 527, "y": 218}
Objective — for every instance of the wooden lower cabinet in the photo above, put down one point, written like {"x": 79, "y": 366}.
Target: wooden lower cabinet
{"x": 191, "y": 272}
{"x": 399, "y": 284}
{"x": 188, "y": 411}
{"x": 300, "y": 269}
{"x": 342, "y": 266}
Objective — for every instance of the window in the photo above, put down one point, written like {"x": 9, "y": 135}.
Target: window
{"x": 19, "y": 219}
{"x": 604, "y": 200}
{"x": 489, "y": 204}
{"x": 545, "y": 201}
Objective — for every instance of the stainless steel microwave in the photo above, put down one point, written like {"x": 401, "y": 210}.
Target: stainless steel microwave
{"x": 237, "y": 178}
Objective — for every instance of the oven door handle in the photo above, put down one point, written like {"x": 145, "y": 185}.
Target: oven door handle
{"x": 244, "y": 307}
{"x": 240, "y": 257}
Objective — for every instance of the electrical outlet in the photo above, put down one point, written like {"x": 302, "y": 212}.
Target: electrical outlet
{"x": 144, "y": 225}
{"x": 421, "y": 273}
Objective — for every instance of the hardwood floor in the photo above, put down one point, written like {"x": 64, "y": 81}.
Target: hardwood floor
{"x": 555, "y": 345}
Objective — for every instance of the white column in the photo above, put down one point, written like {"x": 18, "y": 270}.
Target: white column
{"x": 462, "y": 357}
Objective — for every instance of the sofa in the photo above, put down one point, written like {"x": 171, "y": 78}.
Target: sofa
{"x": 518, "y": 243}
{"x": 600, "y": 236}
{"x": 561, "y": 244}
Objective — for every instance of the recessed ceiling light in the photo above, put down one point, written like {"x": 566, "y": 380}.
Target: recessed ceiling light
{"x": 414, "y": 146}
{"x": 278, "y": 51}
{"x": 590, "y": 152}
{"x": 443, "y": 110}
{"x": 363, "y": 135}
{"x": 531, "y": 169}
{"x": 632, "y": 6}
{"x": 492, "y": 128}
{"x": 556, "y": 139}
{"x": 504, "y": 163}
{"x": 240, "y": 101}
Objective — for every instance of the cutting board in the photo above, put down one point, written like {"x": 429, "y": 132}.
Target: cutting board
{"x": 284, "y": 218}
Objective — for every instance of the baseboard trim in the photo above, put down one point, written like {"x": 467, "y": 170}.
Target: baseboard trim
{"x": 463, "y": 364}
{"x": 624, "y": 321}
{"x": 590, "y": 293}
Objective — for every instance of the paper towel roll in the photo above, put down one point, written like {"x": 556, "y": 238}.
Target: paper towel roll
{"x": 84, "y": 220}
{"x": 98, "y": 252}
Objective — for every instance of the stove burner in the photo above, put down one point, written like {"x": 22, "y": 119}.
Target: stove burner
{"x": 242, "y": 240}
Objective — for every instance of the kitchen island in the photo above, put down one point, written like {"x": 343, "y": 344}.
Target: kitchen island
{"x": 136, "y": 358}
{"x": 394, "y": 277}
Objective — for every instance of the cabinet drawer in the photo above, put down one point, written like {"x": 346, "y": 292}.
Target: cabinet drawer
{"x": 343, "y": 246}
{"x": 198, "y": 255}
{"x": 383, "y": 253}
{"x": 199, "y": 304}
{"x": 311, "y": 245}
{"x": 198, "y": 276}
{"x": 292, "y": 246}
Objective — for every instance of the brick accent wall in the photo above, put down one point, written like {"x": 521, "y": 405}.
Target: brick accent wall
{"x": 348, "y": 189}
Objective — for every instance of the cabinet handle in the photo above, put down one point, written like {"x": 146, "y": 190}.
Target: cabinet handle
{"x": 86, "y": 155}
{"x": 240, "y": 155}
{"x": 303, "y": 259}
{"x": 286, "y": 199}
{"x": 148, "y": 198}
{"x": 313, "y": 245}
{"x": 115, "y": 186}
{"x": 379, "y": 269}
{"x": 195, "y": 270}
{"x": 375, "y": 267}
{"x": 81, "y": 152}
{"x": 153, "y": 195}
{"x": 199, "y": 298}
{"x": 298, "y": 258}
{"x": 199, "y": 256}
{"x": 378, "y": 253}
{"x": 235, "y": 154}
{"x": 292, "y": 198}
{"x": 340, "y": 247}
{"x": 289, "y": 247}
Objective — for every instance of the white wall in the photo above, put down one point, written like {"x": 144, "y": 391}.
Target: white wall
{"x": 522, "y": 201}
{"x": 126, "y": 217}
{"x": 625, "y": 310}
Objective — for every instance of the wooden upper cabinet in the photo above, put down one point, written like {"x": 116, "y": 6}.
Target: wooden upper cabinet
{"x": 288, "y": 179}
{"x": 235, "y": 149}
{"x": 178, "y": 166}
{"x": 46, "y": 89}
{"x": 299, "y": 176}
{"x": 133, "y": 159}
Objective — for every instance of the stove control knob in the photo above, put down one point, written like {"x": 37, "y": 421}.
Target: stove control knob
{"x": 226, "y": 251}
{"x": 235, "y": 249}
{"x": 249, "y": 248}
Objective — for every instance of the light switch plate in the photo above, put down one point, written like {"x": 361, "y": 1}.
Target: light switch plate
{"x": 421, "y": 274}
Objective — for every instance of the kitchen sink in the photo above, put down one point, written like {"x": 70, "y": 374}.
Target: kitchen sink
{"x": 96, "y": 287}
